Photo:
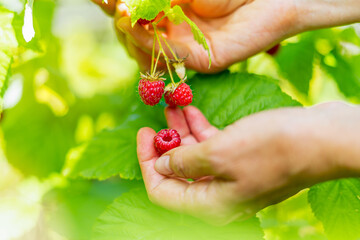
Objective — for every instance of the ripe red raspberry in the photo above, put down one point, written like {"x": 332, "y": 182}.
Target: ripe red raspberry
{"x": 274, "y": 50}
{"x": 182, "y": 96}
{"x": 151, "y": 89}
{"x": 168, "y": 99}
{"x": 142, "y": 21}
{"x": 166, "y": 139}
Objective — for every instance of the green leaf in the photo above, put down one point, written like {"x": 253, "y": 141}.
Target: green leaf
{"x": 344, "y": 72}
{"x": 146, "y": 9}
{"x": 18, "y": 23}
{"x": 113, "y": 152}
{"x": 177, "y": 16}
{"x": 133, "y": 216}
{"x": 8, "y": 44}
{"x": 226, "y": 97}
{"x": 296, "y": 63}
{"x": 110, "y": 153}
{"x": 36, "y": 140}
{"x": 291, "y": 219}
{"x": 77, "y": 205}
{"x": 5, "y": 67}
{"x": 337, "y": 205}
{"x": 8, "y": 39}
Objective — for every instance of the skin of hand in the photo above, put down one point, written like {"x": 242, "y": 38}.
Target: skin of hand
{"x": 259, "y": 160}
{"x": 234, "y": 29}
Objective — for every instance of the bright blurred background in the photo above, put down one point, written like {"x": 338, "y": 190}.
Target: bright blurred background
{"x": 56, "y": 99}
{"x": 60, "y": 97}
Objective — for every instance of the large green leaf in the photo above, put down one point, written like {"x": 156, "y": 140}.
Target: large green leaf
{"x": 110, "y": 153}
{"x": 113, "y": 152}
{"x": 291, "y": 219}
{"x": 132, "y": 216}
{"x": 337, "y": 205}
{"x": 177, "y": 15}
{"x": 146, "y": 9}
{"x": 36, "y": 140}
{"x": 72, "y": 209}
{"x": 8, "y": 44}
{"x": 224, "y": 98}
{"x": 296, "y": 63}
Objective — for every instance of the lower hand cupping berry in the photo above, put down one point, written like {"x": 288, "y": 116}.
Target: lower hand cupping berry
{"x": 166, "y": 139}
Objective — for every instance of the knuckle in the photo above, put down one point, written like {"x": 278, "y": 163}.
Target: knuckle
{"x": 212, "y": 154}
{"x": 177, "y": 163}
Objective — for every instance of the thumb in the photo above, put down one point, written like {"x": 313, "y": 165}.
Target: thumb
{"x": 185, "y": 162}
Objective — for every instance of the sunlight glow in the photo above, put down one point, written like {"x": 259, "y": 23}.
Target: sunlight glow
{"x": 14, "y": 92}
{"x": 28, "y": 28}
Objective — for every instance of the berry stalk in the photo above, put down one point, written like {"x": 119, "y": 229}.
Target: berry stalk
{"x": 163, "y": 52}
{"x": 153, "y": 58}
{"x": 169, "y": 47}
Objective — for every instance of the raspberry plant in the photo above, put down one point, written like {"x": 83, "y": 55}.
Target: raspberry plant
{"x": 81, "y": 148}
{"x": 177, "y": 94}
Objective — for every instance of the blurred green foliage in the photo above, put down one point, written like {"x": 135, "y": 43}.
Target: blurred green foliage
{"x": 71, "y": 113}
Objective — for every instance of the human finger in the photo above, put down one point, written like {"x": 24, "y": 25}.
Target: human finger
{"x": 109, "y": 7}
{"x": 199, "y": 126}
{"x": 176, "y": 120}
{"x": 144, "y": 39}
{"x": 186, "y": 162}
{"x": 216, "y": 8}
{"x": 147, "y": 156}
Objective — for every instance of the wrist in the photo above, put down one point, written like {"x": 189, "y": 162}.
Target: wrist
{"x": 339, "y": 139}
{"x": 315, "y": 14}
{"x": 325, "y": 144}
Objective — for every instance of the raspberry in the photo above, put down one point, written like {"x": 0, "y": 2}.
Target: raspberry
{"x": 274, "y": 50}
{"x": 151, "y": 89}
{"x": 182, "y": 96}
{"x": 168, "y": 99}
{"x": 142, "y": 21}
{"x": 166, "y": 139}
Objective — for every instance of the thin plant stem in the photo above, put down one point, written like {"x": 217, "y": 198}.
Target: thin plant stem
{"x": 169, "y": 47}
{"x": 157, "y": 60}
{"x": 153, "y": 57}
{"x": 160, "y": 19}
{"x": 163, "y": 52}
{"x": 169, "y": 69}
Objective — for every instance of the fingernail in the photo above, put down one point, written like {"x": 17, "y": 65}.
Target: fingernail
{"x": 121, "y": 24}
{"x": 162, "y": 165}
{"x": 121, "y": 30}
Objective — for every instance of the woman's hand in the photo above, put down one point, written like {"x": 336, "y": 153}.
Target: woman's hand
{"x": 234, "y": 29}
{"x": 258, "y": 161}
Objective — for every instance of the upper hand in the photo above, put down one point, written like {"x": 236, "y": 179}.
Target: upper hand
{"x": 234, "y": 29}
